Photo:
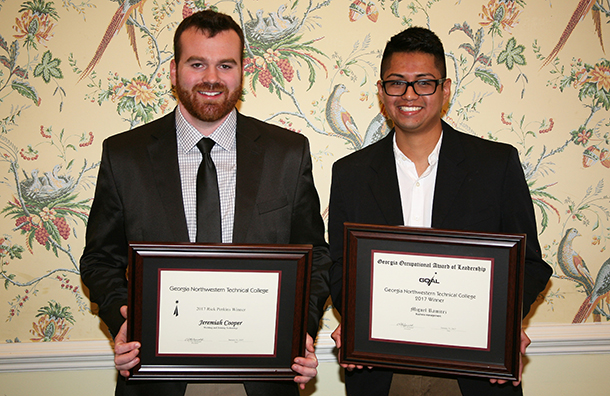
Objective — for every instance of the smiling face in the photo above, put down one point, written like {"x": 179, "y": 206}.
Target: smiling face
{"x": 207, "y": 77}
{"x": 411, "y": 113}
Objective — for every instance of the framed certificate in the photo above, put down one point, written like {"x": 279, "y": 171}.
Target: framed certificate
{"x": 430, "y": 300}
{"x": 218, "y": 312}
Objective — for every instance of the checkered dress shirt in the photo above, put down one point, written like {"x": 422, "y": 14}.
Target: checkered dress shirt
{"x": 224, "y": 155}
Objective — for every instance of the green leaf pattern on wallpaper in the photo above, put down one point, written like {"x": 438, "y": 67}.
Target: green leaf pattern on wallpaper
{"x": 286, "y": 58}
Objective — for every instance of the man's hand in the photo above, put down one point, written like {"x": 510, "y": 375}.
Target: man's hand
{"x": 336, "y": 335}
{"x": 125, "y": 353}
{"x": 306, "y": 366}
{"x": 525, "y": 341}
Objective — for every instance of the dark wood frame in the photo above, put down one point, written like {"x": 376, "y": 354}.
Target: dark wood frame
{"x": 500, "y": 360}
{"x": 292, "y": 261}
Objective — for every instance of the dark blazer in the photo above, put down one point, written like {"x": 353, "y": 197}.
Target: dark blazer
{"x": 138, "y": 197}
{"x": 480, "y": 186}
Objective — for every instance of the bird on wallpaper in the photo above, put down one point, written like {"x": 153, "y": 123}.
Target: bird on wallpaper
{"x": 122, "y": 14}
{"x": 31, "y": 186}
{"x": 582, "y": 9}
{"x": 571, "y": 263}
{"x": 271, "y": 29}
{"x": 600, "y": 290}
{"x": 57, "y": 181}
{"x": 378, "y": 128}
{"x": 279, "y": 20}
{"x": 340, "y": 121}
{"x": 255, "y": 27}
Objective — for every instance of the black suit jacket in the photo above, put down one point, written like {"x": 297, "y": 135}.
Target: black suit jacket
{"x": 480, "y": 186}
{"x": 138, "y": 197}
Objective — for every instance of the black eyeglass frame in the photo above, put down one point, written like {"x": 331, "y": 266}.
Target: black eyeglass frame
{"x": 408, "y": 84}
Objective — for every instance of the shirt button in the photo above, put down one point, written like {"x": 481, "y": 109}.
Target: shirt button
{"x": 417, "y": 184}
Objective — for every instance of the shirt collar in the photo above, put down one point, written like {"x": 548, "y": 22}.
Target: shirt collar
{"x": 224, "y": 135}
{"x": 432, "y": 158}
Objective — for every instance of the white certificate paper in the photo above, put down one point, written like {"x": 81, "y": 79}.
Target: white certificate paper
{"x": 431, "y": 299}
{"x": 218, "y": 312}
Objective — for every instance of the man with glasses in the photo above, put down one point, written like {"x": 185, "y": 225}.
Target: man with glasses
{"x": 427, "y": 174}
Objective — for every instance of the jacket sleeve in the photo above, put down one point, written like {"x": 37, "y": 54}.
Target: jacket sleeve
{"x": 518, "y": 217}
{"x": 307, "y": 227}
{"x": 336, "y": 217}
{"x": 104, "y": 261}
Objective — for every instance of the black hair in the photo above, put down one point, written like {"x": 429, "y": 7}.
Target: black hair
{"x": 415, "y": 39}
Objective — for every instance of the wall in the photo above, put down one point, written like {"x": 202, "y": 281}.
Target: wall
{"x": 580, "y": 374}
{"x": 533, "y": 74}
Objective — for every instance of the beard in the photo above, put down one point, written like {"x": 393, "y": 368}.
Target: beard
{"x": 203, "y": 110}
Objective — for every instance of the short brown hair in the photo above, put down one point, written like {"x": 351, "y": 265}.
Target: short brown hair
{"x": 211, "y": 23}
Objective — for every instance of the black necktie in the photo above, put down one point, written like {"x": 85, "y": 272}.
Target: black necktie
{"x": 208, "y": 198}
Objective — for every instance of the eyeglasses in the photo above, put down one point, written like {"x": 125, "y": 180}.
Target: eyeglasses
{"x": 420, "y": 87}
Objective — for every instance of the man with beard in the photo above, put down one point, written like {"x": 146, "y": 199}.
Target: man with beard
{"x": 147, "y": 191}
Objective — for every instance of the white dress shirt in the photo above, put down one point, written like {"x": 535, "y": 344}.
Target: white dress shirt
{"x": 416, "y": 192}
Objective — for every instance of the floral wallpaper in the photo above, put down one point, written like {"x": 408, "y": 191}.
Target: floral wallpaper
{"x": 73, "y": 72}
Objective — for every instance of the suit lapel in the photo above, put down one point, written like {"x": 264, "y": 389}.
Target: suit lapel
{"x": 163, "y": 149}
{"x": 384, "y": 183}
{"x": 449, "y": 177}
{"x": 250, "y": 157}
